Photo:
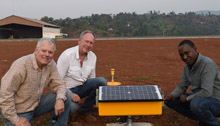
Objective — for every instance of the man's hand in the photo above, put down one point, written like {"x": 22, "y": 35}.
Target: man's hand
{"x": 183, "y": 98}
{"x": 59, "y": 107}
{"x": 168, "y": 97}
{"x": 22, "y": 122}
{"x": 75, "y": 97}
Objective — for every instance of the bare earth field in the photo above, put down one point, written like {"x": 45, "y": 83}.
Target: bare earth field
{"x": 136, "y": 61}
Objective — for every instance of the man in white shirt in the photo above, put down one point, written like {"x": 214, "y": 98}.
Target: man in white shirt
{"x": 76, "y": 66}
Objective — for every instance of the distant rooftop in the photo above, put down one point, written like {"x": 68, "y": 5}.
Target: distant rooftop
{"x": 25, "y": 21}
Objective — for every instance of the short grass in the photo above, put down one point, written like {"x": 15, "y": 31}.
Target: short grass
{"x": 144, "y": 77}
{"x": 155, "y": 75}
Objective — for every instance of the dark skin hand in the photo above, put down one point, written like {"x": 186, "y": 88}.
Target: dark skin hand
{"x": 168, "y": 97}
{"x": 183, "y": 98}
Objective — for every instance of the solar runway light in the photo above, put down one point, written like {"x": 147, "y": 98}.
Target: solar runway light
{"x": 113, "y": 83}
{"x": 112, "y": 73}
{"x": 128, "y": 101}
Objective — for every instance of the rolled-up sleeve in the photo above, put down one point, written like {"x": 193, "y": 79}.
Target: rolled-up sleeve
{"x": 57, "y": 85}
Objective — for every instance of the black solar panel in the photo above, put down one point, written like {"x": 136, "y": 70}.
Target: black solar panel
{"x": 129, "y": 93}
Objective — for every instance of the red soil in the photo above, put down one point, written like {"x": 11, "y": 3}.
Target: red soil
{"x": 136, "y": 61}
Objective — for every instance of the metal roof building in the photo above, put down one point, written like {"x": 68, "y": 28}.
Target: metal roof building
{"x": 20, "y": 27}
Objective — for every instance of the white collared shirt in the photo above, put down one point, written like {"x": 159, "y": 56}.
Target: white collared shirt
{"x": 70, "y": 70}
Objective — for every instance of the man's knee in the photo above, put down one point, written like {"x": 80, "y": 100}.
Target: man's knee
{"x": 173, "y": 104}
{"x": 69, "y": 98}
{"x": 102, "y": 81}
{"x": 169, "y": 103}
{"x": 73, "y": 108}
{"x": 196, "y": 105}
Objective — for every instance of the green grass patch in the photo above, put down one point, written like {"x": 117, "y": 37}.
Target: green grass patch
{"x": 155, "y": 75}
{"x": 110, "y": 77}
{"x": 164, "y": 107}
{"x": 144, "y": 78}
{"x": 134, "y": 78}
{"x": 106, "y": 76}
{"x": 140, "y": 78}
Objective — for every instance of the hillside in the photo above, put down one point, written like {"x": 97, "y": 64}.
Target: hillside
{"x": 207, "y": 12}
{"x": 138, "y": 25}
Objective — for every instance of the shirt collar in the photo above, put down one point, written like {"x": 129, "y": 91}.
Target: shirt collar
{"x": 77, "y": 53}
{"x": 197, "y": 61}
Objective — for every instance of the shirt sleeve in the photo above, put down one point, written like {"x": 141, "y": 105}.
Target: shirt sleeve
{"x": 182, "y": 86}
{"x": 57, "y": 85}
{"x": 63, "y": 65}
{"x": 93, "y": 72}
{"x": 10, "y": 83}
{"x": 207, "y": 81}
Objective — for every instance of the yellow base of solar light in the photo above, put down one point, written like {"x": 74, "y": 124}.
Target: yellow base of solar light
{"x": 130, "y": 108}
{"x": 113, "y": 83}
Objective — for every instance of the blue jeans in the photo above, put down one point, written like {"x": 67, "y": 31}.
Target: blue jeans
{"x": 47, "y": 103}
{"x": 87, "y": 89}
{"x": 205, "y": 110}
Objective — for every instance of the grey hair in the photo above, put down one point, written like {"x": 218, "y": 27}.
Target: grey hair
{"x": 85, "y": 32}
{"x": 49, "y": 40}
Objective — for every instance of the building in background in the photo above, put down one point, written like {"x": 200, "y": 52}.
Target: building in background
{"x": 19, "y": 27}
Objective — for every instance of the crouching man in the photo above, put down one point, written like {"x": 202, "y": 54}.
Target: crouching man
{"x": 22, "y": 86}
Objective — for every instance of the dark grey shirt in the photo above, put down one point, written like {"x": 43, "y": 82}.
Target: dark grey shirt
{"x": 203, "y": 77}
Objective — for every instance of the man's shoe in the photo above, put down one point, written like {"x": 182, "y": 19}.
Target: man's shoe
{"x": 88, "y": 118}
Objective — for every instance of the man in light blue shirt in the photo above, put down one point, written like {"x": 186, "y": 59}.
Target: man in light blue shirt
{"x": 76, "y": 66}
{"x": 202, "y": 75}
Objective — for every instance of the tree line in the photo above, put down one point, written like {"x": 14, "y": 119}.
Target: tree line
{"x": 140, "y": 25}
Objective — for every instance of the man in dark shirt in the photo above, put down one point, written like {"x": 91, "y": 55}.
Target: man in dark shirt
{"x": 202, "y": 75}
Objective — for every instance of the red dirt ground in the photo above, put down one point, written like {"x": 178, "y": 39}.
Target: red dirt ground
{"x": 136, "y": 61}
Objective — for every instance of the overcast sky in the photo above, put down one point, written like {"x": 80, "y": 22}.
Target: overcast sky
{"x": 76, "y": 8}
